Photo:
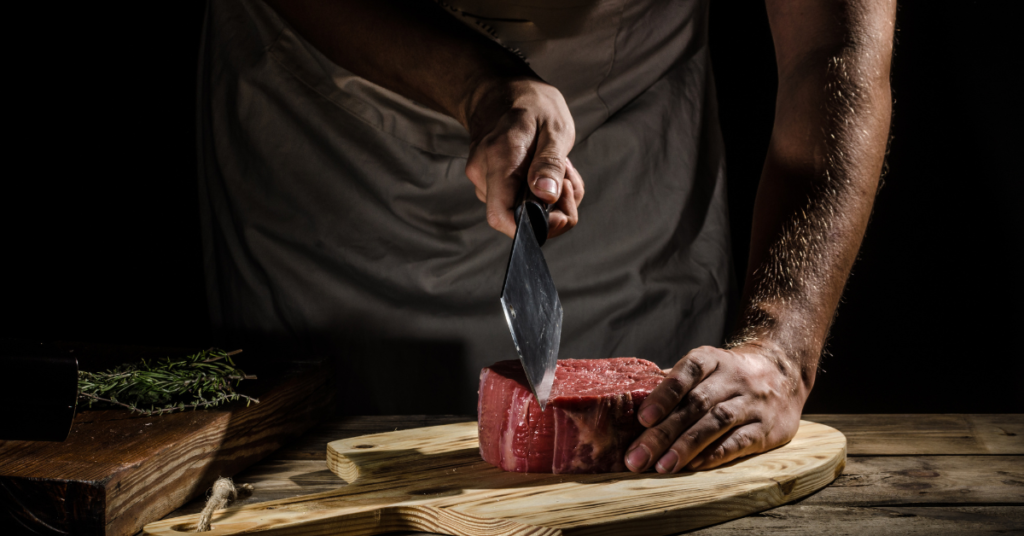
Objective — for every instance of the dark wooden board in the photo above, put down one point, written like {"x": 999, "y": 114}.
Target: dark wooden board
{"x": 800, "y": 520}
{"x": 929, "y": 434}
{"x": 117, "y": 471}
{"x": 913, "y": 480}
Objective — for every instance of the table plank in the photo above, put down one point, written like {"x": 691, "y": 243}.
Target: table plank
{"x": 938, "y": 434}
{"x": 1000, "y": 433}
{"x": 909, "y": 480}
{"x": 842, "y": 521}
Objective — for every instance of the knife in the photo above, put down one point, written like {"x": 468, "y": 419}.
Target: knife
{"x": 530, "y": 300}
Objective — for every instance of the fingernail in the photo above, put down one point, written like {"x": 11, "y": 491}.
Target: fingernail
{"x": 637, "y": 458}
{"x": 545, "y": 184}
{"x": 696, "y": 463}
{"x": 650, "y": 415}
{"x": 668, "y": 462}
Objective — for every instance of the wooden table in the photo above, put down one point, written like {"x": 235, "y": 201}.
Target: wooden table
{"x": 906, "y": 474}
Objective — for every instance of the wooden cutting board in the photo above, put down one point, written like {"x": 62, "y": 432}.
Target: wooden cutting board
{"x": 433, "y": 479}
{"x": 118, "y": 471}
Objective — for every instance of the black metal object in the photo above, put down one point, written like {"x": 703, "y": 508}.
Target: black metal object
{"x": 539, "y": 212}
{"x": 38, "y": 392}
{"x": 530, "y": 301}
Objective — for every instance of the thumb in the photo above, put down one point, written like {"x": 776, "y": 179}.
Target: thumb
{"x": 549, "y": 164}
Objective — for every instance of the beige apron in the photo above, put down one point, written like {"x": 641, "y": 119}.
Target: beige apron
{"x": 337, "y": 214}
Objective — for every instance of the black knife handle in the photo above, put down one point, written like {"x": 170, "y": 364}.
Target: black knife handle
{"x": 538, "y": 211}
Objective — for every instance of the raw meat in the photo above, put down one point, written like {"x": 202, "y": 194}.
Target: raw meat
{"x": 589, "y": 422}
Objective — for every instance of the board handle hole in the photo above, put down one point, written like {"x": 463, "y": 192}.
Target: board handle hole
{"x": 364, "y": 446}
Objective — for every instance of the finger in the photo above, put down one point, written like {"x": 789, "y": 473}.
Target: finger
{"x": 564, "y": 215}
{"x": 476, "y": 170}
{"x": 577, "y": 181}
{"x": 655, "y": 441}
{"x": 698, "y": 364}
{"x": 506, "y": 168}
{"x": 736, "y": 443}
{"x": 500, "y": 200}
{"x": 716, "y": 422}
{"x": 548, "y": 166}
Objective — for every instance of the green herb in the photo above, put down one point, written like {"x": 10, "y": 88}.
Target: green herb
{"x": 202, "y": 380}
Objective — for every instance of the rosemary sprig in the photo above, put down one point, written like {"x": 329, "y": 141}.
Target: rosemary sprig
{"x": 203, "y": 380}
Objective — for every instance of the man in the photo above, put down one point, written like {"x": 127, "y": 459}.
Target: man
{"x": 338, "y": 136}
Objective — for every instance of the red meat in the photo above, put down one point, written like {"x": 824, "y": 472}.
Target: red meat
{"x": 589, "y": 422}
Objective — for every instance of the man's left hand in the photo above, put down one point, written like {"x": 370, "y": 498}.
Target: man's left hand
{"x": 718, "y": 405}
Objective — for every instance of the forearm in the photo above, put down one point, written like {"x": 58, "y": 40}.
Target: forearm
{"x": 411, "y": 47}
{"x": 820, "y": 175}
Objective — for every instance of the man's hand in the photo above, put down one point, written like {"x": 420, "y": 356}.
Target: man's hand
{"x": 715, "y": 406}
{"x": 522, "y": 130}
{"x": 520, "y": 127}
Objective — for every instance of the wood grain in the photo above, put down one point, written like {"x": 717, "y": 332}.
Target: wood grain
{"x": 433, "y": 480}
{"x": 1000, "y": 433}
{"x": 804, "y": 520}
{"x": 914, "y": 480}
{"x": 117, "y": 472}
{"x": 938, "y": 434}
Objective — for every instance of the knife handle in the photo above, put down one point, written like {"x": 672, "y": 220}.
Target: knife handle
{"x": 538, "y": 212}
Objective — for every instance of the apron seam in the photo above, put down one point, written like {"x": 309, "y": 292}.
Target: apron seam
{"x": 273, "y": 45}
{"x": 344, "y": 108}
{"x": 608, "y": 72}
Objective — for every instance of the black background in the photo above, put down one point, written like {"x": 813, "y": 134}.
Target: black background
{"x": 100, "y": 211}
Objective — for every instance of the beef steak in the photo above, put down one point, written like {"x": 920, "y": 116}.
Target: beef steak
{"x": 589, "y": 423}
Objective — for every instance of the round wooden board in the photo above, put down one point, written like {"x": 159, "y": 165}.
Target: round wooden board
{"x": 433, "y": 480}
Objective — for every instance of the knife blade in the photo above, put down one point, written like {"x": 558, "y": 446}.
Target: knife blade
{"x": 530, "y": 300}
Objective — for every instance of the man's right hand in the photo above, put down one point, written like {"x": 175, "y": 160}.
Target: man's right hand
{"x": 520, "y": 126}
{"x": 522, "y": 130}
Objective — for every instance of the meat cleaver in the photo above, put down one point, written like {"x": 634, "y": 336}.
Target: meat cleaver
{"x": 530, "y": 300}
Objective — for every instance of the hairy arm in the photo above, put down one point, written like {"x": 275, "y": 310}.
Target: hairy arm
{"x": 813, "y": 204}
{"x": 821, "y": 172}
{"x": 520, "y": 126}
